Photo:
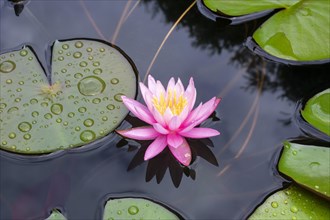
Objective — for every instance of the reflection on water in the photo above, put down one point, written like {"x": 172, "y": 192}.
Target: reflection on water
{"x": 255, "y": 93}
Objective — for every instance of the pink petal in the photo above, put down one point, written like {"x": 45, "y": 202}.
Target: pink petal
{"x": 174, "y": 140}
{"x": 182, "y": 153}
{"x": 155, "y": 147}
{"x": 138, "y": 110}
{"x": 147, "y": 96}
{"x": 179, "y": 87}
{"x": 159, "y": 90}
{"x": 190, "y": 94}
{"x": 203, "y": 113}
{"x": 152, "y": 84}
{"x": 160, "y": 129}
{"x": 174, "y": 123}
{"x": 167, "y": 116}
{"x": 200, "y": 133}
{"x": 170, "y": 85}
{"x": 158, "y": 117}
{"x": 141, "y": 133}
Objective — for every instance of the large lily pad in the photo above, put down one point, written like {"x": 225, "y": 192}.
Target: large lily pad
{"x": 317, "y": 111}
{"x": 292, "y": 203}
{"x": 81, "y": 103}
{"x": 56, "y": 215}
{"x": 298, "y": 32}
{"x": 134, "y": 208}
{"x": 307, "y": 165}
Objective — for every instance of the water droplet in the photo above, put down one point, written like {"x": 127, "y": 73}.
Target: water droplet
{"x": 119, "y": 212}
{"x": 274, "y": 204}
{"x": 285, "y": 201}
{"x": 19, "y": 90}
{"x": 61, "y": 58}
{"x": 27, "y": 136}
{"x": 102, "y": 50}
{"x": 34, "y": 122}
{"x": 65, "y": 46}
{"x": 133, "y": 210}
{"x": 21, "y": 83}
{"x": 83, "y": 64}
{"x": 24, "y": 126}
{"x": 48, "y": 116}
{"x": 110, "y": 107}
{"x": 88, "y": 122}
{"x": 118, "y": 97}
{"x": 27, "y": 149}
{"x": 294, "y": 152}
{"x": 294, "y": 218}
{"x": 77, "y": 54}
{"x": 82, "y": 109}
{"x": 71, "y": 114}
{"x": 59, "y": 120}
{"x": 63, "y": 70}
{"x": 12, "y": 135}
{"x": 33, "y": 101}
{"x": 97, "y": 71}
{"x": 317, "y": 187}
{"x": 44, "y": 104}
{"x": 9, "y": 81}
{"x": 12, "y": 110}
{"x": 91, "y": 85}
{"x": 60, "y": 51}
{"x": 30, "y": 58}
{"x": 87, "y": 135}
{"x": 56, "y": 108}
{"x": 314, "y": 165}
{"x": 35, "y": 114}
{"x": 78, "y": 75}
{"x": 96, "y": 100}
{"x": 77, "y": 128}
{"x": 7, "y": 66}
{"x": 96, "y": 63}
{"x": 114, "y": 81}
{"x": 104, "y": 118}
{"x": 3, "y": 105}
{"x": 89, "y": 49}
{"x": 294, "y": 209}
{"x": 78, "y": 44}
{"x": 23, "y": 53}
{"x": 13, "y": 147}
{"x": 65, "y": 123}
{"x": 90, "y": 57}
{"x": 4, "y": 142}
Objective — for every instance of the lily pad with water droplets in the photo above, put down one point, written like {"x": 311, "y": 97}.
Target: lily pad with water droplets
{"x": 56, "y": 215}
{"x": 134, "y": 208}
{"x": 81, "y": 103}
{"x": 317, "y": 111}
{"x": 292, "y": 203}
{"x": 308, "y": 166}
{"x": 298, "y": 32}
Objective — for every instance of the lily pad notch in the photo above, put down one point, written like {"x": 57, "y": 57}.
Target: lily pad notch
{"x": 80, "y": 103}
{"x": 296, "y": 34}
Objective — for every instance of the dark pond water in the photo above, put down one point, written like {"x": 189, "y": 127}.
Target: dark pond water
{"x": 256, "y": 112}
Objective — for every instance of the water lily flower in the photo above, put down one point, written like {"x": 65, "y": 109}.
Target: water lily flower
{"x": 171, "y": 118}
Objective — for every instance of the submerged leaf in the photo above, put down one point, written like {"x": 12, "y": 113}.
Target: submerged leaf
{"x": 134, "y": 208}
{"x": 292, "y": 203}
{"x": 81, "y": 103}
{"x": 307, "y": 165}
{"x": 317, "y": 111}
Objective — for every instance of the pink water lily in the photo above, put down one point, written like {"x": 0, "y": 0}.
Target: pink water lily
{"x": 171, "y": 117}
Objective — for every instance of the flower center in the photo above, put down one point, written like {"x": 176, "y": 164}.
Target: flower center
{"x": 174, "y": 102}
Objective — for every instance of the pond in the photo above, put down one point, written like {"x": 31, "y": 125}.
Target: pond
{"x": 257, "y": 112}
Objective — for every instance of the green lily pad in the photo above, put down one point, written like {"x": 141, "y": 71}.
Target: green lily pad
{"x": 298, "y": 32}
{"x": 56, "y": 215}
{"x": 133, "y": 208}
{"x": 307, "y": 165}
{"x": 292, "y": 203}
{"x": 317, "y": 111}
{"x": 81, "y": 103}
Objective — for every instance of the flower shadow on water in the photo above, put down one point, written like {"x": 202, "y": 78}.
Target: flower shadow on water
{"x": 158, "y": 165}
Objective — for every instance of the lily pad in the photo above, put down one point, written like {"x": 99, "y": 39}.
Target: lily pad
{"x": 79, "y": 102}
{"x": 317, "y": 111}
{"x": 298, "y": 32}
{"x": 134, "y": 208}
{"x": 293, "y": 203}
{"x": 307, "y": 165}
{"x": 56, "y": 215}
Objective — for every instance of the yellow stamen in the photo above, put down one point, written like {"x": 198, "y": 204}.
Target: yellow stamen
{"x": 172, "y": 101}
